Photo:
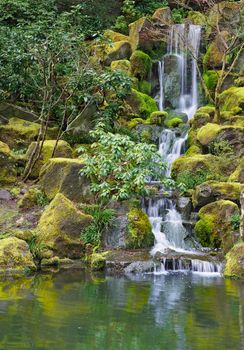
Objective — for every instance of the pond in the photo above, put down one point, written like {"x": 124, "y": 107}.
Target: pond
{"x": 77, "y": 310}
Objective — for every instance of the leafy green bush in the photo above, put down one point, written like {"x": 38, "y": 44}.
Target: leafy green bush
{"x": 235, "y": 221}
{"x": 221, "y": 148}
{"x": 118, "y": 167}
{"x": 191, "y": 180}
{"x": 102, "y": 220}
{"x": 178, "y": 14}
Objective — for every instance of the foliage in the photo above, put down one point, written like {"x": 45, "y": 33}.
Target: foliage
{"x": 188, "y": 180}
{"x": 235, "y": 221}
{"x": 178, "y": 14}
{"x": 118, "y": 167}
{"x": 41, "y": 199}
{"x": 102, "y": 220}
{"x": 221, "y": 148}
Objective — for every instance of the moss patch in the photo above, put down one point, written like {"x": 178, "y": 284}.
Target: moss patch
{"x": 214, "y": 228}
{"x": 232, "y": 99}
{"x": 141, "y": 64}
{"x": 63, "y": 150}
{"x": 60, "y": 227}
{"x": 122, "y": 65}
{"x": 142, "y": 105}
{"x": 139, "y": 230}
{"x": 7, "y": 166}
{"x": 235, "y": 262}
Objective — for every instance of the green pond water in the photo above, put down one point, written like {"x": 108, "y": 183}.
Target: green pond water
{"x": 76, "y": 310}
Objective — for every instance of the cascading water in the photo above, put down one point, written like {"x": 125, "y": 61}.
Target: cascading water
{"x": 169, "y": 231}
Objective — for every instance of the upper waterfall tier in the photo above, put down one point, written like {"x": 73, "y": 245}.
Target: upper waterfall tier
{"x": 178, "y": 70}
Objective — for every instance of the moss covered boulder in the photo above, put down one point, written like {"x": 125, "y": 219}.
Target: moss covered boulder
{"x": 63, "y": 150}
{"x": 7, "y": 165}
{"x": 214, "y": 229}
{"x": 235, "y": 262}
{"x": 158, "y": 118}
{"x": 19, "y": 132}
{"x": 142, "y": 105}
{"x": 163, "y": 16}
{"x": 238, "y": 173}
{"x": 141, "y": 65}
{"x": 214, "y": 133}
{"x": 15, "y": 255}
{"x": 197, "y": 18}
{"x": 202, "y": 116}
{"x": 122, "y": 65}
{"x": 232, "y": 100}
{"x": 59, "y": 229}
{"x": 118, "y": 50}
{"x": 211, "y": 191}
{"x": 62, "y": 175}
{"x": 216, "y": 50}
{"x": 139, "y": 230}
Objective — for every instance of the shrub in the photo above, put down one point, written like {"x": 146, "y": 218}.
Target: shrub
{"x": 221, "y": 148}
{"x": 191, "y": 180}
{"x": 235, "y": 221}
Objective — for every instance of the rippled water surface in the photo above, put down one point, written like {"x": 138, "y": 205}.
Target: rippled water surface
{"x": 74, "y": 310}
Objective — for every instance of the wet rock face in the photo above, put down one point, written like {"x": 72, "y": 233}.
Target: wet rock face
{"x": 15, "y": 255}
{"x": 172, "y": 81}
{"x": 140, "y": 267}
{"x": 184, "y": 206}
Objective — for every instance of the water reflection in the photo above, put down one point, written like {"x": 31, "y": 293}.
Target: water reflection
{"x": 75, "y": 310}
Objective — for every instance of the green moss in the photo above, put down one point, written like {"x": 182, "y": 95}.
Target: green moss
{"x": 7, "y": 167}
{"x": 114, "y": 36}
{"x": 238, "y": 173}
{"x": 192, "y": 137}
{"x": 145, "y": 87}
{"x": 98, "y": 261}
{"x": 214, "y": 228}
{"x": 210, "y": 78}
{"x": 15, "y": 255}
{"x": 212, "y": 190}
{"x": 232, "y": 99}
{"x": 139, "y": 230}
{"x": 196, "y": 17}
{"x": 173, "y": 123}
{"x": 60, "y": 227}
{"x": 141, "y": 64}
{"x": 63, "y": 175}
{"x": 235, "y": 262}
{"x": 134, "y": 122}
{"x": 193, "y": 150}
{"x": 208, "y": 133}
{"x": 158, "y": 118}
{"x": 122, "y": 65}
{"x": 63, "y": 150}
{"x": 142, "y": 104}
{"x": 118, "y": 50}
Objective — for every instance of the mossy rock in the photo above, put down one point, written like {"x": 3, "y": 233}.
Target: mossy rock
{"x": 137, "y": 29}
{"x": 208, "y": 133}
{"x": 60, "y": 227}
{"x": 197, "y": 18}
{"x": 63, "y": 150}
{"x": 233, "y": 135}
{"x": 145, "y": 87}
{"x": 122, "y": 65}
{"x": 33, "y": 197}
{"x": 202, "y": 117}
{"x": 98, "y": 261}
{"x": 215, "y": 52}
{"x": 158, "y": 118}
{"x": 119, "y": 50}
{"x": 141, "y": 104}
{"x": 232, "y": 100}
{"x": 141, "y": 65}
{"x": 62, "y": 175}
{"x": 235, "y": 262}
{"x": 214, "y": 229}
{"x": 114, "y": 36}
{"x": 193, "y": 150}
{"x": 7, "y": 165}
{"x": 211, "y": 191}
{"x": 15, "y": 256}
{"x": 238, "y": 173}
{"x": 134, "y": 122}
{"x": 139, "y": 231}
{"x": 19, "y": 133}
{"x": 163, "y": 16}
{"x": 173, "y": 123}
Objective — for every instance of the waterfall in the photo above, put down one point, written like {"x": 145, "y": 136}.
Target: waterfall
{"x": 169, "y": 231}
{"x": 184, "y": 41}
